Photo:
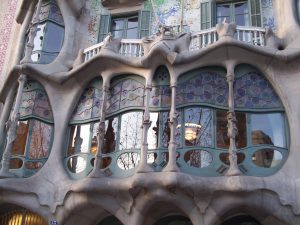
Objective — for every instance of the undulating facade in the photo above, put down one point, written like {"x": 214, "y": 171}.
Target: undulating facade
{"x": 150, "y": 112}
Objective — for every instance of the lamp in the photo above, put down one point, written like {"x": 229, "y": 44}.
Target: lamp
{"x": 191, "y": 131}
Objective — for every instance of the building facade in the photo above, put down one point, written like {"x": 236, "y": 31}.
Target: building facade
{"x": 150, "y": 112}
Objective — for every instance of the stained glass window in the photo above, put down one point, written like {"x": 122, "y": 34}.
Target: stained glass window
{"x": 35, "y": 102}
{"x": 90, "y": 102}
{"x": 126, "y": 94}
{"x": 205, "y": 87}
{"x": 253, "y": 91}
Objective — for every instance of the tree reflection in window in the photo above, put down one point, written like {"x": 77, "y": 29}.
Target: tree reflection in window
{"x": 198, "y": 127}
{"x": 131, "y": 130}
{"x": 111, "y": 134}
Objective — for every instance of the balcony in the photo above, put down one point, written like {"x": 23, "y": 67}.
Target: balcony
{"x": 136, "y": 47}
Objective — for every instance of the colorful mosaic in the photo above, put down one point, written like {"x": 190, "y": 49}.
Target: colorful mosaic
{"x": 160, "y": 96}
{"x": 253, "y": 91}
{"x": 205, "y": 87}
{"x": 89, "y": 104}
{"x": 125, "y": 94}
{"x": 6, "y": 26}
{"x": 95, "y": 11}
{"x": 35, "y": 102}
{"x": 268, "y": 14}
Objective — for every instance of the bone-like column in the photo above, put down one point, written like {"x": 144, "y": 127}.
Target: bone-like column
{"x": 100, "y": 136}
{"x": 12, "y": 126}
{"x": 143, "y": 165}
{"x": 172, "y": 165}
{"x": 231, "y": 125}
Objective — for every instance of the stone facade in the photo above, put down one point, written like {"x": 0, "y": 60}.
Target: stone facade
{"x": 147, "y": 193}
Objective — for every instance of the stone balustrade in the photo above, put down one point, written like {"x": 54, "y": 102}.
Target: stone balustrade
{"x": 199, "y": 40}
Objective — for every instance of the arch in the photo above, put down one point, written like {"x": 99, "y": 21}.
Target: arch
{"x": 15, "y": 215}
{"x": 174, "y": 219}
{"x": 110, "y": 220}
{"x": 35, "y": 131}
{"x": 241, "y": 220}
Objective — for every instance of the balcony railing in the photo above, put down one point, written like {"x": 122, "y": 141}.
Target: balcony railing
{"x": 199, "y": 40}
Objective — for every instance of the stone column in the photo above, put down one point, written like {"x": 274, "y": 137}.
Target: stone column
{"x": 32, "y": 33}
{"x": 12, "y": 126}
{"x": 143, "y": 165}
{"x": 231, "y": 125}
{"x": 172, "y": 166}
{"x": 5, "y": 115}
{"x": 96, "y": 172}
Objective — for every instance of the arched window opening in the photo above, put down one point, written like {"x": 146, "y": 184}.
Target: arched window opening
{"x": 123, "y": 134}
{"x": 49, "y": 36}
{"x": 241, "y": 220}
{"x": 32, "y": 145}
{"x": 12, "y": 215}
{"x": 159, "y": 131}
{"x": 170, "y": 220}
{"x": 111, "y": 220}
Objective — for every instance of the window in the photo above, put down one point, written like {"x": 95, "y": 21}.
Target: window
{"x": 243, "y": 13}
{"x": 130, "y": 26}
{"x": 50, "y": 33}
{"x": 35, "y": 131}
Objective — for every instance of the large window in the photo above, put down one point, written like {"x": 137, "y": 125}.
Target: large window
{"x": 50, "y": 33}
{"x": 35, "y": 131}
{"x": 131, "y": 26}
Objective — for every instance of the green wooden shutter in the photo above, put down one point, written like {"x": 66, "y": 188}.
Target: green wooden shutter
{"x": 255, "y": 13}
{"x": 104, "y": 27}
{"x": 144, "y": 26}
{"x": 206, "y": 20}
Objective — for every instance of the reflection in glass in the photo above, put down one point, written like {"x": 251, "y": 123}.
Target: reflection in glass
{"x": 15, "y": 163}
{"x": 53, "y": 44}
{"x": 268, "y": 129}
{"x": 241, "y": 14}
{"x": 153, "y": 133}
{"x": 131, "y": 131}
{"x": 33, "y": 165}
{"x": 222, "y": 138}
{"x": 111, "y": 133}
{"x": 166, "y": 130}
{"x": 198, "y": 127}
{"x": 76, "y": 164}
{"x": 19, "y": 143}
{"x": 40, "y": 140}
{"x": 223, "y": 12}
{"x": 80, "y": 136}
{"x": 198, "y": 158}
{"x": 267, "y": 158}
{"x": 128, "y": 160}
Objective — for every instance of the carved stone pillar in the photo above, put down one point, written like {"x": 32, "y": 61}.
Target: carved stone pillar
{"x": 143, "y": 165}
{"x": 172, "y": 165}
{"x": 5, "y": 115}
{"x": 32, "y": 33}
{"x": 100, "y": 136}
{"x": 231, "y": 125}
{"x": 12, "y": 126}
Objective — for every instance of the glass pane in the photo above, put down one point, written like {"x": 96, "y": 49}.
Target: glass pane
{"x": 241, "y": 20}
{"x": 198, "y": 158}
{"x": 15, "y": 163}
{"x": 54, "y": 38}
{"x": 19, "y": 144}
{"x": 166, "y": 130}
{"x": 76, "y": 164}
{"x": 222, "y": 138}
{"x": 267, "y": 158}
{"x": 223, "y": 10}
{"x": 117, "y": 24}
{"x": 117, "y": 34}
{"x": 268, "y": 129}
{"x": 80, "y": 137}
{"x": 131, "y": 131}
{"x": 153, "y": 133}
{"x": 94, "y": 140}
{"x": 128, "y": 160}
{"x": 221, "y": 19}
{"x": 111, "y": 134}
{"x": 132, "y": 33}
{"x": 224, "y": 157}
{"x": 40, "y": 141}
{"x": 133, "y": 22}
{"x": 241, "y": 8}
{"x": 39, "y": 37}
{"x": 198, "y": 127}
